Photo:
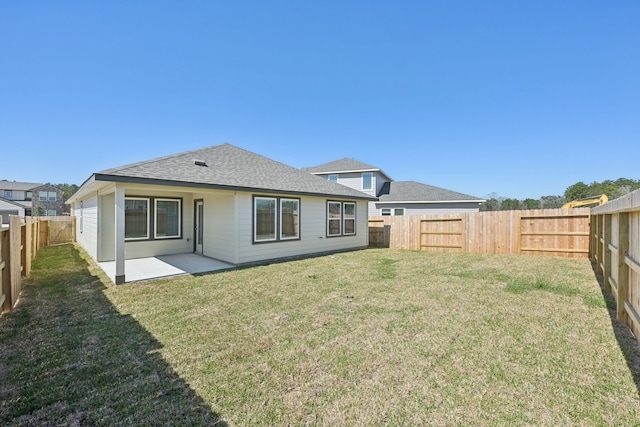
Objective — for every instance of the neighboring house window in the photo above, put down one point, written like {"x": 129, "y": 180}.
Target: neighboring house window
{"x": 29, "y": 195}
{"x": 275, "y": 219}
{"x": 42, "y": 196}
{"x": 333, "y": 178}
{"x": 341, "y": 219}
{"x": 51, "y": 212}
{"x": 289, "y": 219}
{"x": 8, "y": 194}
{"x": 167, "y": 218}
{"x": 136, "y": 218}
{"x": 52, "y": 196}
{"x": 389, "y": 211}
{"x": 367, "y": 181}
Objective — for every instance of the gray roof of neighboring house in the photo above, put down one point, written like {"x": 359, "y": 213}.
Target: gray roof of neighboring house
{"x": 20, "y": 204}
{"x": 18, "y": 186}
{"x": 342, "y": 165}
{"x": 227, "y": 167}
{"x": 415, "y": 192}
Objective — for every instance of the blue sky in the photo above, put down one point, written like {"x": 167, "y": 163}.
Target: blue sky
{"x": 520, "y": 98}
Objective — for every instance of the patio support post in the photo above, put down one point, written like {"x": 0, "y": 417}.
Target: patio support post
{"x": 119, "y": 226}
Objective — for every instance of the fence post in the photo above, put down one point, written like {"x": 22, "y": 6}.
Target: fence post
{"x": 606, "y": 261}
{"x": 5, "y": 271}
{"x": 27, "y": 246}
{"x": 15, "y": 223}
{"x": 623, "y": 268}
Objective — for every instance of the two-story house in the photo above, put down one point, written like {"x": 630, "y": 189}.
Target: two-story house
{"x": 29, "y": 199}
{"x": 395, "y": 197}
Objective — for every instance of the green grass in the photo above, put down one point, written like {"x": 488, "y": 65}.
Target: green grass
{"x": 375, "y": 337}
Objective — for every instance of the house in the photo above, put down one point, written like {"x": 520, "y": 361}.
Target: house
{"x": 395, "y": 197}
{"x": 30, "y": 198}
{"x": 221, "y": 202}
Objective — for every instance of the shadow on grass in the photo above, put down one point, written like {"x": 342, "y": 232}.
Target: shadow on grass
{"x": 68, "y": 357}
{"x": 627, "y": 342}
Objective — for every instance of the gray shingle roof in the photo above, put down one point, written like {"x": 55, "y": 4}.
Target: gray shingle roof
{"x": 228, "y": 167}
{"x": 342, "y": 165}
{"x": 18, "y": 186}
{"x": 412, "y": 191}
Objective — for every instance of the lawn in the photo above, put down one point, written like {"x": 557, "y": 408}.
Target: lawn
{"x": 374, "y": 337}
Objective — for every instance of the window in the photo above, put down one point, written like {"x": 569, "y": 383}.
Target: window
{"x": 275, "y": 219}
{"x": 349, "y": 219}
{"x": 333, "y": 178}
{"x": 167, "y": 218}
{"x": 334, "y": 218}
{"x": 341, "y": 219}
{"x": 136, "y": 218}
{"x": 52, "y": 196}
{"x": 8, "y": 194}
{"x": 51, "y": 212}
{"x": 264, "y": 227}
{"x": 42, "y": 196}
{"x": 367, "y": 181}
{"x": 289, "y": 219}
{"x": 389, "y": 211}
{"x": 29, "y": 195}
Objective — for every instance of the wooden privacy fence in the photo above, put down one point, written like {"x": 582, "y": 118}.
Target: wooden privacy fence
{"x": 19, "y": 244}
{"x": 558, "y": 232}
{"x": 615, "y": 250}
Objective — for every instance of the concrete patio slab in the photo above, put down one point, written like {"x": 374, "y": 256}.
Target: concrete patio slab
{"x": 163, "y": 266}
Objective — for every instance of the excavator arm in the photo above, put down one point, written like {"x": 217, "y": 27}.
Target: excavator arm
{"x": 600, "y": 200}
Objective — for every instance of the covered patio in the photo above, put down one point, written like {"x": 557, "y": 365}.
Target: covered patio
{"x": 164, "y": 266}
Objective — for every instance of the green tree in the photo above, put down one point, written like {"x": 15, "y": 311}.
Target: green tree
{"x": 510, "y": 205}
{"x": 551, "y": 202}
{"x": 530, "y": 204}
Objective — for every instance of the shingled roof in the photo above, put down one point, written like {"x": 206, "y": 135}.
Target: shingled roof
{"x": 416, "y": 192}
{"x": 342, "y": 165}
{"x": 230, "y": 168}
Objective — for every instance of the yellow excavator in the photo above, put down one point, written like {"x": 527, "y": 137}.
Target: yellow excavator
{"x": 600, "y": 200}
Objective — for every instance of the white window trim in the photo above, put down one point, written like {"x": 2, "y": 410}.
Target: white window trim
{"x": 8, "y": 194}
{"x": 399, "y": 209}
{"x": 127, "y": 239}
{"x": 46, "y": 196}
{"x": 329, "y": 219}
{"x": 255, "y": 220}
{"x": 55, "y": 196}
{"x": 344, "y": 218}
{"x": 386, "y": 209}
{"x": 279, "y": 216}
{"x": 155, "y": 219}
{"x": 363, "y": 187}
{"x": 334, "y": 174}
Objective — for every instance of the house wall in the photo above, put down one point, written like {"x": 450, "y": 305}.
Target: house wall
{"x": 219, "y": 225}
{"x": 106, "y": 227}
{"x": 425, "y": 208}
{"x": 148, "y": 248}
{"x": 15, "y": 195}
{"x": 86, "y": 213}
{"x": 313, "y": 232}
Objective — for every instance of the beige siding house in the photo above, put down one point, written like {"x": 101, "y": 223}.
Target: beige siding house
{"x": 395, "y": 197}
{"x": 221, "y": 202}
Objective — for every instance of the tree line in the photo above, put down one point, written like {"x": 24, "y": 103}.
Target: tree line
{"x": 579, "y": 190}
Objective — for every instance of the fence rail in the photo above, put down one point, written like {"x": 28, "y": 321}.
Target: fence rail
{"x": 615, "y": 250}
{"x": 556, "y": 232}
{"x": 19, "y": 244}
